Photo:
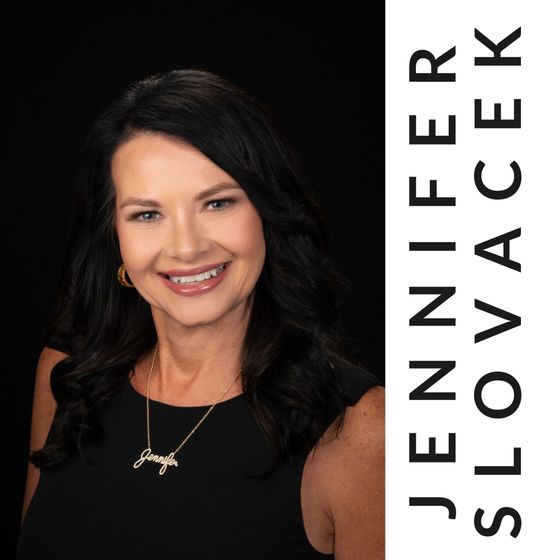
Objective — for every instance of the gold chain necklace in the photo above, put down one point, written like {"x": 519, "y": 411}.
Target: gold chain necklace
{"x": 169, "y": 460}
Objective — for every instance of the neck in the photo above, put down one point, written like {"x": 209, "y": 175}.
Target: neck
{"x": 194, "y": 365}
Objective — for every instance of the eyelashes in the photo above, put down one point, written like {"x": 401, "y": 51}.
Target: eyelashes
{"x": 141, "y": 216}
{"x": 229, "y": 201}
{"x": 137, "y": 216}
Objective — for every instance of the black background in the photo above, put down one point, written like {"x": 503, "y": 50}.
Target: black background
{"x": 321, "y": 74}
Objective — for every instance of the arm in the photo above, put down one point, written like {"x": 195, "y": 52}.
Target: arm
{"x": 357, "y": 501}
{"x": 44, "y": 407}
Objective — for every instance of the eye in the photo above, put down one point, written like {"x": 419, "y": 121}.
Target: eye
{"x": 143, "y": 216}
{"x": 228, "y": 202}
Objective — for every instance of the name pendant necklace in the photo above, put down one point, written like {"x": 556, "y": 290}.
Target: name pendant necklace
{"x": 169, "y": 460}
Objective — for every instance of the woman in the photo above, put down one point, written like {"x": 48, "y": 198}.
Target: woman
{"x": 190, "y": 399}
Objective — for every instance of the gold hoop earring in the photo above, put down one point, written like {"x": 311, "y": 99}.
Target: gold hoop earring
{"x": 121, "y": 275}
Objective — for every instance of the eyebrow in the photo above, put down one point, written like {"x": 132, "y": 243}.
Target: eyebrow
{"x": 147, "y": 202}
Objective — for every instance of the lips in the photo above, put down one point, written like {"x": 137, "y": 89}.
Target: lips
{"x": 197, "y": 288}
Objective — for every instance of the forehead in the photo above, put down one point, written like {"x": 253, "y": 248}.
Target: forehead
{"x": 155, "y": 162}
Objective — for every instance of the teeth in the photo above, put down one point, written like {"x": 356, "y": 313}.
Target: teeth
{"x": 197, "y": 277}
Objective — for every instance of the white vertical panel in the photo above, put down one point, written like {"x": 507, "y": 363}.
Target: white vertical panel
{"x": 529, "y": 352}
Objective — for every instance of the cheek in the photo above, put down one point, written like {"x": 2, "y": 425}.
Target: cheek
{"x": 248, "y": 235}
{"x": 135, "y": 246}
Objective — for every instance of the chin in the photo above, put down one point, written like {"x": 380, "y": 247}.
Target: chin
{"x": 191, "y": 319}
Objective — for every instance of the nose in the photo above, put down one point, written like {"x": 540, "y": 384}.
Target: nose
{"x": 188, "y": 239}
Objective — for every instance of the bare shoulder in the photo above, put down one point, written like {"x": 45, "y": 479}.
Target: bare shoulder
{"x": 43, "y": 400}
{"x": 43, "y": 411}
{"x": 44, "y": 404}
{"x": 356, "y": 500}
{"x": 364, "y": 422}
{"x": 48, "y": 358}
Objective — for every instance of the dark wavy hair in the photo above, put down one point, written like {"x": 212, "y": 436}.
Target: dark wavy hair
{"x": 292, "y": 344}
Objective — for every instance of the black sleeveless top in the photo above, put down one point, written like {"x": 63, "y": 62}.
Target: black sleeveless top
{"x": 206, "y": 508}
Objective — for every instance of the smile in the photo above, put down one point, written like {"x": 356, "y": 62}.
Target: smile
{"x": 197, "y": 277}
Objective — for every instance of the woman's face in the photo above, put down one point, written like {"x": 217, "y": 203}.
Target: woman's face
{"x": 168, "y": 224}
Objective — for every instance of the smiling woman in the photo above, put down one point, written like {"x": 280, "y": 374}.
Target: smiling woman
{"x": 191, "y": 398}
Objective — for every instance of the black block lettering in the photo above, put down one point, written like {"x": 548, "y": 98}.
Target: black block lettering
{"x": 420, "y": 393}
{"x": 435, "y": 63}
{"x": 512, "y": 321}
{"x": 497, "y": 59}
{"x": 432, "y": 501}
{"x": 497, "y": 121}
{"x": 421, "y": 319}
{"x": 504, "y": 239}
{"x": 493, "y": 193}
{"x": 503, "y": 469}
{"x": 431, "y": 137}
{"x": 432, "y": 456}
{"x": 431, "y": 200}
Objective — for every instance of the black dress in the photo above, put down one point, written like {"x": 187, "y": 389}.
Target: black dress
{"x": 207, "y": 508}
